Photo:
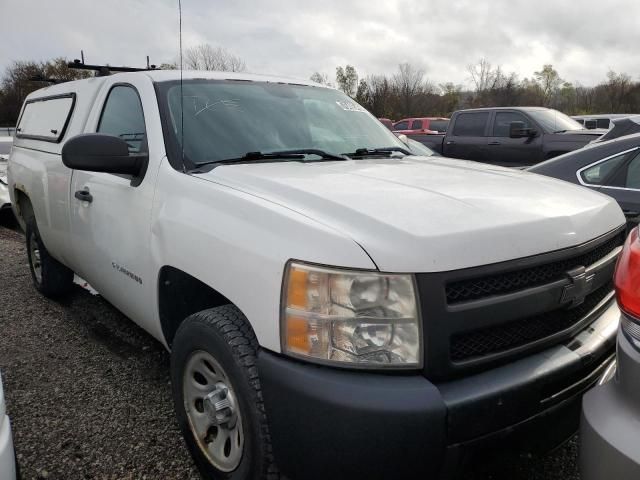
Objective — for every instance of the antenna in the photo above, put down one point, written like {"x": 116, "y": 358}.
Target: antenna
{"x": 181, "y": 94}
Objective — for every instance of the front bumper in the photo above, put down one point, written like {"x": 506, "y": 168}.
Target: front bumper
{"x": 340, "y": 424}
{"x": 610, "y": 427}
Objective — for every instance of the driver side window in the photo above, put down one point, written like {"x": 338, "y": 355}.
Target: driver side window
{"x": 122, "y": 116}
{"x": 503, "y": 121}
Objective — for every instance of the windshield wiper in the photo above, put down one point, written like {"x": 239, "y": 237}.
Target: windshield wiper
{"x": 372, "y": 152}
{"x": 284, "y": 155}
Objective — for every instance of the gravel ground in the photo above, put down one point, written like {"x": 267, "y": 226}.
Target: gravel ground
{"x": 89, "y": 397}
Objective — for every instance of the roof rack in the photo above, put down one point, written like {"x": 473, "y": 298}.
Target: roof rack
{"x": 105, "y": 70}
{"x": 41, "y": 78}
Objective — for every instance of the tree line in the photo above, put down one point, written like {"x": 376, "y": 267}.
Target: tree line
{"x": 406, "y": 93}
{"x": 23, "y": 77}
{"x": 409, "y": 93}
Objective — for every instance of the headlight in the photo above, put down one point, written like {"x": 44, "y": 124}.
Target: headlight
{"x": 357, "y": 318}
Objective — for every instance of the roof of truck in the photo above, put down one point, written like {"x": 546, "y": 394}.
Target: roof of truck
{"x": 526, "y": 109}
{"x": 169, "y": 75}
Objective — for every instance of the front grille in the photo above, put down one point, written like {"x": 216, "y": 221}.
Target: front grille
{"x": 521, "y": 332}
{"x": 508, "y": 282}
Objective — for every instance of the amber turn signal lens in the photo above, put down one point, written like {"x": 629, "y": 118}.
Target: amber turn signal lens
{"x": 297, "y": 290}
{"x": 297, "y": 332}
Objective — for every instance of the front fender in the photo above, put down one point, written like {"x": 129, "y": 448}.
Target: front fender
{"x": 238, "y": 244}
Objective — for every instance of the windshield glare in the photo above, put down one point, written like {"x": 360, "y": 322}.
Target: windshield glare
{"x": 227, "y": 119}
{"x": 554, "y": 121}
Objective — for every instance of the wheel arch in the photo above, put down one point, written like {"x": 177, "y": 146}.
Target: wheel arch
{"x": 180, "y": 295}
{"x": 23, "y": 206}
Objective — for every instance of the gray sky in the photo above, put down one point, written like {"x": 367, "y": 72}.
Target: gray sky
{"x": 582, "y": 39}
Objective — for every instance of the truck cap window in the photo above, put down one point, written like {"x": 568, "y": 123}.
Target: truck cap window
{"x": 228, "y": 119}
{"x": 122, "y": 117}
{"x": 46, "y": 118}
{"x": 471, "y": 124}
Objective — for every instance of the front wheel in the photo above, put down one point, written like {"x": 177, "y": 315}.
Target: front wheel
{"x": 217, "y": 396}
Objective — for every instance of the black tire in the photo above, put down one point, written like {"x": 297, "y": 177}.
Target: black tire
{"x": 55, "y": 279}
{"x": 225, "y": 334}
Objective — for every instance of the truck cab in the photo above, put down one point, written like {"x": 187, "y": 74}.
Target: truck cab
{"x": 510, "y": 136}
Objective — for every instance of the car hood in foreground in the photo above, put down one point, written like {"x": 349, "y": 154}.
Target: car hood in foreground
{"x": 432, "y": 214}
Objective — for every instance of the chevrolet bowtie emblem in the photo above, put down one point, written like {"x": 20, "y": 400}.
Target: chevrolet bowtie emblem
{"x": 580, "y": 286}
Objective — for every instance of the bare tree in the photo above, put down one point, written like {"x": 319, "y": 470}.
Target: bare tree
{"x": 616, "y": 89}
{"x": 482, "y": 75}
{"x": 206, "y": 57}
{"x": 409, "y": 82}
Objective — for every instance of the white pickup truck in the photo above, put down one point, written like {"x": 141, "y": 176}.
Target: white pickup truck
{"x": 335, "y": 306}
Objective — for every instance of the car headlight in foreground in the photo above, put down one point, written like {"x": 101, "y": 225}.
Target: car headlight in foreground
{"x": 350, "y": 318}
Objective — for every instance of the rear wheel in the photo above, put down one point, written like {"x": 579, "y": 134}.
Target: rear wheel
{"x": 50, "y": 277}
{"x": 217, "y": 396}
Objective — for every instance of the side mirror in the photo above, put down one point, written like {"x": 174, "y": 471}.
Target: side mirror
{"x": 96, "y": 152}
{"x": 403, "y": 138}
{"x": 518, "y": 130}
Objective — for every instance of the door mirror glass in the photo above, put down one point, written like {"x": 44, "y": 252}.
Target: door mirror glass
{"x": 96, "y": 152}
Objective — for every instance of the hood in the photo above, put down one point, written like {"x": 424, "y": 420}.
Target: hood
{"x": 421, "y": 214}
{"x": 581, "y": 135}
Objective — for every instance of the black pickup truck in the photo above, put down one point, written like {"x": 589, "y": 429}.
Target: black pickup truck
{"x": 509, "y": 136}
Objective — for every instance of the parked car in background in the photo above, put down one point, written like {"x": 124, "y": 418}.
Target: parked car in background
{"x": 421, "y": 126}
{"x": 621, "y": 127}
{"x": 387, "y": 123}
{"x": 8, "y": 468}
{"x": 611, "y": 167}
{"x": 513, "y": 136}
{"x": 610, "y": 427}
{"x": 604, "y": 120}
{"x": 5, "y": 201}
{"x": 335, "y": 306}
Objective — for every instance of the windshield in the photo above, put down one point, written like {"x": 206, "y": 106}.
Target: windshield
{"x": 554, "y": 121}
{"x": 228, "y": 119}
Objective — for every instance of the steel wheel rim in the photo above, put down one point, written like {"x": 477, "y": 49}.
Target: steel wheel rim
{"x": 36, "y": 263}
{"x": 212, "y": 411}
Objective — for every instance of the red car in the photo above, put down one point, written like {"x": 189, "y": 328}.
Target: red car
{"x": 424, "y": 125}
{"x": 387, "y": 123}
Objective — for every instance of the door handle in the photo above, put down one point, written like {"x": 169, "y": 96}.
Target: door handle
{"x": 494, "y": 143}
{"x": 451, "y": 142}
{"x": 84, "y": 196}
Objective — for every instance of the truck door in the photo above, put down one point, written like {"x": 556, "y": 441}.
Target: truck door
{"x": 513, "y": 152}
{"x": 468, "y": 138}
{"x": 110, "y": 217}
